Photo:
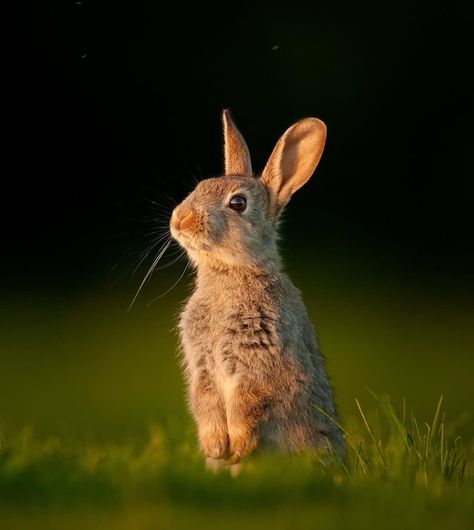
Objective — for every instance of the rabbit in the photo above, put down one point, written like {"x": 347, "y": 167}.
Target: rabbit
{"x": 255, "y": 376}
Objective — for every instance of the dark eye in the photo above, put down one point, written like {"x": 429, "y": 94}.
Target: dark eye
{"x": 238, "y": 203}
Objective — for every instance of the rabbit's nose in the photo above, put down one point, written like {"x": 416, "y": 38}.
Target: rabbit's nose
{"x": 184, "y": 218}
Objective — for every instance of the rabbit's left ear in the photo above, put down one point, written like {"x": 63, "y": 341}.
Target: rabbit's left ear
{"x": 236, "y": 153}
{"x": 294, "y": 159}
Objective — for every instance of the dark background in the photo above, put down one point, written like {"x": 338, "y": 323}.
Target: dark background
{"x": 108, "y": 105}
{"x": 111, "y": 111}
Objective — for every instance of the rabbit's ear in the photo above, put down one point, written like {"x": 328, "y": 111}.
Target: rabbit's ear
{"x": 236, "y": 153}
{"x": 294, "y": 159}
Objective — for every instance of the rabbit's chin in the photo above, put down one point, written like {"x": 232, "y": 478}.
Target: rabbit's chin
{"x": 192, "y": 244}
{"x": 203, "y": 252}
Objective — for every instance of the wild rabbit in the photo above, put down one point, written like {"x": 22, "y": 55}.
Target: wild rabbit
{"x": 254, "y": 373}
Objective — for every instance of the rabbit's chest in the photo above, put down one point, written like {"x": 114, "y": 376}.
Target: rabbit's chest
{"x": 204, "y": 334}
{"x": 225, "y": 339}
{"x": 209, "y": 342}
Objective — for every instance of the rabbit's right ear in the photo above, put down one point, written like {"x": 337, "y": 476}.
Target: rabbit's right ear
{"x": 236, "y": 153}
{"x": 293, "y": 160}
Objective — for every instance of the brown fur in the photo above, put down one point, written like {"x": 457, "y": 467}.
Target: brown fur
{"x": 254, "y": 373}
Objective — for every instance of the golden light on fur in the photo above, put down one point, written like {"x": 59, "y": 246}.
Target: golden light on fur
{"x": 255, "y": 375}
{"x": 294, "y": 158}
{"x": 184, "y": 218}
{"x": 236, "y": 153}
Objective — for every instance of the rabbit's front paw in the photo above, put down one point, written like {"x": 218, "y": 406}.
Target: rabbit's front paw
{"x": 215, "y": 444}
{"x": 242, "y": 442}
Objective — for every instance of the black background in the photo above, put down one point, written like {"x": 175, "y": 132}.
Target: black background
{"x": 108, "y": 105}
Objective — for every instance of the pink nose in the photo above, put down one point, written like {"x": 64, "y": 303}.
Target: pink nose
{"x": 184, "y": 218}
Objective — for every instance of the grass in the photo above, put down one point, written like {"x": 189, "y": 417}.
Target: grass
{"x": 398, "y": 473}
{"x": 89, "y": 377}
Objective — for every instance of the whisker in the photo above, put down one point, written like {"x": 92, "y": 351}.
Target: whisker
{"x": 142, "y": 257}
{"x": 146, "y": 252}
{"x": 175, "y": 260}
{"x": 160, "y": 231}
{"x": 160, "y": 254}
{"x": 172, "y": 287}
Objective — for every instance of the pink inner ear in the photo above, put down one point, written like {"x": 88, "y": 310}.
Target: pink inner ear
{"x": 289, "y": 163}
{"x": 301, "y": 153}
{"x": 294, "y": 159}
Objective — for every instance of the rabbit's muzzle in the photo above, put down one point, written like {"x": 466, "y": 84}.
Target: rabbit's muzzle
{"x": 184, "y": 219}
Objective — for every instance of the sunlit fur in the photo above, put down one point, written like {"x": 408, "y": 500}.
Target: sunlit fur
{"x": 254, "y": 374}
{"x": 222, "y": 237}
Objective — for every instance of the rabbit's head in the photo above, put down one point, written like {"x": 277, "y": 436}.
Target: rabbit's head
{"x": 232, "y": 220}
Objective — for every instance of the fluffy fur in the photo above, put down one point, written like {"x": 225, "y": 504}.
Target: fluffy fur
{"x": 254, "y": 373}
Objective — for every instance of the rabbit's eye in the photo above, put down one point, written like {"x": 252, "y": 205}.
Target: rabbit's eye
{"x": 238, "y": 203}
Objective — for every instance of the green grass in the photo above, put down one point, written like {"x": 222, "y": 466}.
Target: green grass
{"x": 89, "y": 377}
{"x": 398, "y": 473}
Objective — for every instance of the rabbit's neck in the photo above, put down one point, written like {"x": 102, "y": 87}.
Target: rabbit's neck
{"x": 226, "y": 275}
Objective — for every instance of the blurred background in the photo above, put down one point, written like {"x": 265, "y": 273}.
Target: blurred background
{"x": 111, "y": 111}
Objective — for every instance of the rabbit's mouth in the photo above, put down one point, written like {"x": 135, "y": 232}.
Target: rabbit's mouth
{"x": 191, "y": 242}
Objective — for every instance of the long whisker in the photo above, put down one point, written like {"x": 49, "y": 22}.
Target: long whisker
{"x": 172, "y": 287}
{"x": 145, "y": 253}
{"x": 172, "y": 262}
{"x": 163, "y": 249}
